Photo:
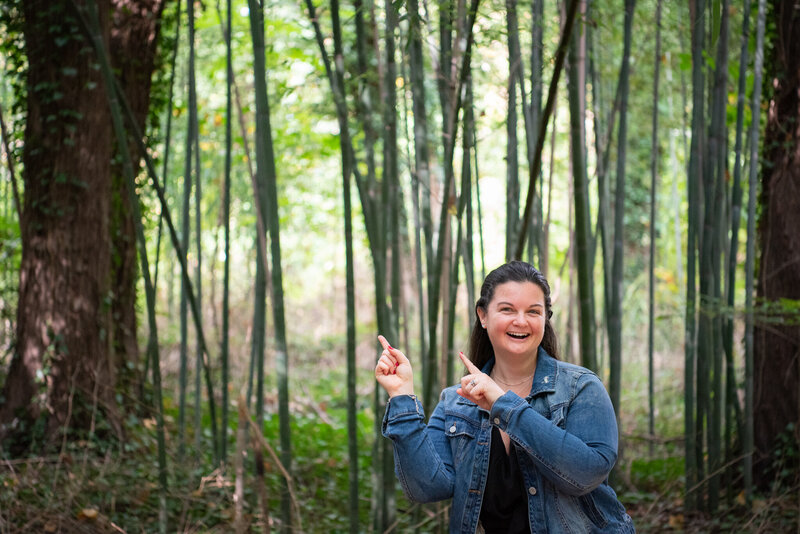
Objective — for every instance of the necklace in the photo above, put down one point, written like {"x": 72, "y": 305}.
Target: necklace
{"x": 496, "y": 379}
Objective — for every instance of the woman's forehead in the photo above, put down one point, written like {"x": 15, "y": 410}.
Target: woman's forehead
{"x": 521, "y": 293}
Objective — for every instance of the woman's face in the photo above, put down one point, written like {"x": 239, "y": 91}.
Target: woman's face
{"x": 515, "y": 318}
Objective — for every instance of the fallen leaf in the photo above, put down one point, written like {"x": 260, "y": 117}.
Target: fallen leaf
{"x": 88, "y": 513}
{"x": 759, "y": 505}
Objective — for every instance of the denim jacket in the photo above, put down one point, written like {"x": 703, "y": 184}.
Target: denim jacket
{"x": 565, "y": 432}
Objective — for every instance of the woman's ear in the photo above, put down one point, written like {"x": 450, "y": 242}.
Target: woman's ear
{"x": 481, "y": 316}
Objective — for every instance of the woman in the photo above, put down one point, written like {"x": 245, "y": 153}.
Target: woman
{"x": 526, "y": 442}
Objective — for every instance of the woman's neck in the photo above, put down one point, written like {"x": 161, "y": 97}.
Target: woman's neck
{"x": 511, "y": 369}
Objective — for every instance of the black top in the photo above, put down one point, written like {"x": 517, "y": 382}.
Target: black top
{"x": 505, "y": 503}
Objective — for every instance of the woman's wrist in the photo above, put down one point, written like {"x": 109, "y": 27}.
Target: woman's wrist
{"x": 401, "y": 391}
{"x": 493, "y": 394}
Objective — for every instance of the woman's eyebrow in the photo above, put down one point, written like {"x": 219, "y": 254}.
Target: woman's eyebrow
{"x": 504, "y": 303}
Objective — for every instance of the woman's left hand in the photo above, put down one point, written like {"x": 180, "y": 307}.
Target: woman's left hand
{"x": 478, "y": 387}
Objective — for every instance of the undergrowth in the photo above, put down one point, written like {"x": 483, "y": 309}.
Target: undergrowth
{"x": 99, "y": 485}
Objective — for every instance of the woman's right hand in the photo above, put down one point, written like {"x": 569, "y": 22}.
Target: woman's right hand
{"x": 393, "y": 371}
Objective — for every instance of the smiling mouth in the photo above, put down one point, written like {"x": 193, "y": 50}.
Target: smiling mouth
{"x": 516, "y": 335}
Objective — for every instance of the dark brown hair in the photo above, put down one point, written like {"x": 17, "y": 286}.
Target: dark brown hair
{"x": 480, "y": 348}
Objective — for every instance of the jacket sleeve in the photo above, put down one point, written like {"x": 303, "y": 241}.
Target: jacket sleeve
{"x": 423, "y": 460}
{"x": 576, "y": 458}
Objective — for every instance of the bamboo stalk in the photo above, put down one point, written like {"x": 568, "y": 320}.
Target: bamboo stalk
{"x": 755, "y": 107}
{"x": 347, "y": 164}
{"x": 226, "y": 215}
{"x": 195, "y": 140}
{"x": 583, "y": 233}
{"x": 654, "y": 152}
{"x": 694, "y": 459}
{"x": 715, "y": 215}
{"x": 617, "y": 271}
{"x": 267, "y": 175}
{"x": 239, "y": 523}
{"x": 733, "y": 416}
{"x": 535, "y": 167}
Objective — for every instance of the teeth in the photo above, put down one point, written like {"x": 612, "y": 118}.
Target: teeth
{"x": 519, "y": 336}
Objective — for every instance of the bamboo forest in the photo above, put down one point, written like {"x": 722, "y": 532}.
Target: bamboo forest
{"x": 210, "y": 209}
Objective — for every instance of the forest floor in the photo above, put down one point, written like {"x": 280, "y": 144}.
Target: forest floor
{"x": 91, "y": 487}
{"x": 98, "y": 483}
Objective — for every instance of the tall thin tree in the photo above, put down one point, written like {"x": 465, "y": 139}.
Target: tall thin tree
{"x": 420, "y": 178}
{"x": 535, "y": 113}
{"x": 693, "y": 443}
{"x": 347, "y": 164}
{"x": 654, "y": 152}
{"x": 226, "y": 217}
{"x": 617, "y": 270}
{"x": 711, "y": 272}
{"x": 267, "y": 177}
{"x": 198, "y": 237}
{"x": 733, "y": 413}
{"x": 749, "y": 358}
{"x": 185, "y": 232}
{"x": 583, "y": 234}
{"x": 535, "y": 166}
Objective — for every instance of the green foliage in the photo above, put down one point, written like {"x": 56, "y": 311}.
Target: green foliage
{"x": 88, "y": 473}
{"x": 15, "y": 62}
{"x": 119, "y": 479}
{"x": 656, "y": 474}
{"x": 10, "y": 257}
{"x": 786, "y": 459}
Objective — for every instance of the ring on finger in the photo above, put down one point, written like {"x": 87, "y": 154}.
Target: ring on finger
{"x": 472, "y": 382}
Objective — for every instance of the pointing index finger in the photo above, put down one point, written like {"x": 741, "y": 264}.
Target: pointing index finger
{"x": 385, "y": 343}
{"x": 470, "y": 366}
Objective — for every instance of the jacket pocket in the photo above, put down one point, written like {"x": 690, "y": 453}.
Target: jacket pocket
{"x": 578, "y": 514}
{"x": 461, "y": 436}
{"x": 591, "y": 511}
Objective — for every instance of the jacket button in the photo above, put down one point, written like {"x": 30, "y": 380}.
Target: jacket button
{"x": 532, "y": 490}
{"x": 497, "y": 420}
{"x": 453, "y": 429}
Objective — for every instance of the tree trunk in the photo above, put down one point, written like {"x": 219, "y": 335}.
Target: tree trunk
{"x": 777, "y": 342}
{"x": 709, "y": 325}
{"x": 135, "y": 28}
{"x": 535, "y": 166}
{"x": 267, "y": 175}
{"x": 535, "y": 112}
{"x": 583, "y": 234}
{"x": 733, "y": 416}
{"x": 421, "y": 172}
{"x": 651, "y": 264}
{"x": 693, "y": 443}
{"x": 512, "y": 153}
{"x": 226, "y": 217}
{"x": 61, "y": 369}
{"x": 617, "y": 271}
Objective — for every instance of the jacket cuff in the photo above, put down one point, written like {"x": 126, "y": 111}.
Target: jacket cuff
{"x": 401, "y": 408}
{"x": 504, "y": 407}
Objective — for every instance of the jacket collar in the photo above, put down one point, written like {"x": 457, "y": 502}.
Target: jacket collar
{"x": 544, "y": 380}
